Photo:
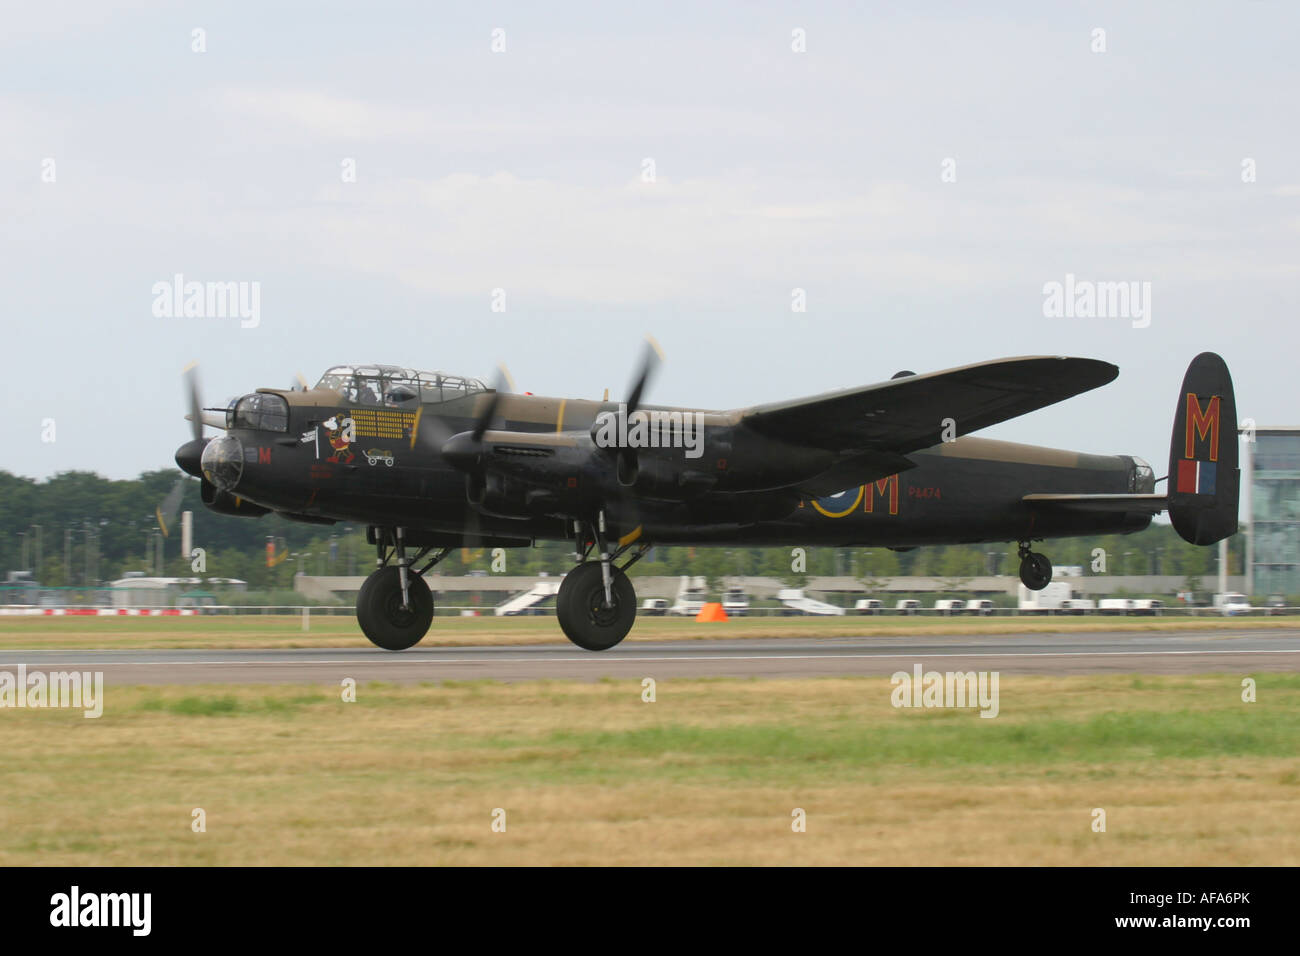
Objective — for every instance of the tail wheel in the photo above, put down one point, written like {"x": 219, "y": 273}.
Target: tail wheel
{"x": 1035, "y": 571}
{"x": 584, "y": 617}
{"x": 383, "y": 618}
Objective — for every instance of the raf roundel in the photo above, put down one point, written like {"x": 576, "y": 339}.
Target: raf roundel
{"x": 839, "y": 504}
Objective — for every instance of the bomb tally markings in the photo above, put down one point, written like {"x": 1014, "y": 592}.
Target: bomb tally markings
{"x": 382, "y": 423}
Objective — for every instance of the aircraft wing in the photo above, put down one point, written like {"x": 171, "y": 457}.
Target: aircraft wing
{"x": 1142, "y": 504}
{"x": 906, "y": 414}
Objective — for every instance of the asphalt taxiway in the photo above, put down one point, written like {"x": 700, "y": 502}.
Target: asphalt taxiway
{"x": 1101, "y": 652}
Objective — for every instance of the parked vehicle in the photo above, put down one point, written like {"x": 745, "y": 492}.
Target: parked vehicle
{"x": 1232, "y": 603}
{"x": 1115, "y": 606}
{"x": 1049, "y": 600}
{"x": 1079, "y": 606}
{"x": 1146, "y": 606}
{"x": 948, "y": 606}
{"x": 907, "y": 606}
{"x": 654, "y": 607}
{"x": 981, "y": 606}
{"x": 735, "y": 602}
{"x": 692, "y": 594}
{"x": 868, "y": 606}
{"x": 796, "y": 602}
{"x": 1276, "y": 604}
{"x": 528, "y": 602}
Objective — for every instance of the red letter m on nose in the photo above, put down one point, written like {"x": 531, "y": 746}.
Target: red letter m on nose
{"x": 1202, "y": 424}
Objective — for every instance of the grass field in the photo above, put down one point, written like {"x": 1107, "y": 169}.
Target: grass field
{"x": 709, "y": 773}
{"x": 257, "y": 630}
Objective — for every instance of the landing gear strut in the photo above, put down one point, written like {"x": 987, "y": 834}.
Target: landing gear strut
{"x": 1035, "y": 568}
{"x": 596, "y": 604}
{"x": 394, "y": 605}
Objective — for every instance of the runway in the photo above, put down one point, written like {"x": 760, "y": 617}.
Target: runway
{"x": 1165, "y": 652}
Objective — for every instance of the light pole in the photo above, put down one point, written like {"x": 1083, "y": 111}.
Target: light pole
{"x": 38, "y": 538}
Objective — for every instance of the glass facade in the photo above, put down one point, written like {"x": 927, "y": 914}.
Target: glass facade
{"x": 1275, "y": 511}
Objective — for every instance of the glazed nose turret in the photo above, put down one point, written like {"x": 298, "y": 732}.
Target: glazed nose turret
{"x": 222, "y": 462}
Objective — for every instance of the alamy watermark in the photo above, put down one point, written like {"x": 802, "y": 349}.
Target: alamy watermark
{"x": 179, "y": 299}
{"x": 1086, "y": 299}
{"x": 950, "y": 689}
{"x": 76, "y": 689}
{"x": 651, "y": 429}
{"x": 75, "y": 908}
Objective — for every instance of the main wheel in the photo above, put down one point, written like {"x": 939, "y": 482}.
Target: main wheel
{"x": 381, "y": 615}
{"x": 580, "y": 606}
{"x": 1035, "y": 571}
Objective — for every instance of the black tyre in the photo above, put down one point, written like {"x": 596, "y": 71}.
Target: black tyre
{"x": 580, "y": 606}
{"x": 1036, "y": 571}
{"x": 381, "y": 615}
{"x": 365, "y": 588}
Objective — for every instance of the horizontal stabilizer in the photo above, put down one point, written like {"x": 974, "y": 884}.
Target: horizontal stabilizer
{"x": 1138, "y": 504}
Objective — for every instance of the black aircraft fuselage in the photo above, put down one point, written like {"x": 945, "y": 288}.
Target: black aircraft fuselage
{"x": 966, "y": 490}
{"x": 429, "y": 461}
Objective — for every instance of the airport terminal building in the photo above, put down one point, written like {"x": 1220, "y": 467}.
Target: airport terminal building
{"x": 1273, "y": 541}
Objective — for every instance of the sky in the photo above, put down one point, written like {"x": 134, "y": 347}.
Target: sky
{"x": 452, "y": 186}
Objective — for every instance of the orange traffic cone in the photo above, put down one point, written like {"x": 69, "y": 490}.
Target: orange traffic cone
{"x": 711, "y": 612}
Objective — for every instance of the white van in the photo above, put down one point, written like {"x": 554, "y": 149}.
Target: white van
{"x": 735, "y": 602}
{"x": 907, "y": 606}
{"x": 868, "y": 606}
{"x": 979, "y": 606}
{"x": 1233, "y": 603}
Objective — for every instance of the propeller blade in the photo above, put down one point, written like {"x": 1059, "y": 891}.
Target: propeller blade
{"x": 196, "y": 410}
{"x": 501, "y": 385}
{"x": 166, "y": 512}
{"x": 651, "y": 359}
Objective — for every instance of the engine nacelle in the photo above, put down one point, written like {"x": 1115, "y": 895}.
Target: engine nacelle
{"x": 498, "y": 495}
{"x": 657, "y": 478}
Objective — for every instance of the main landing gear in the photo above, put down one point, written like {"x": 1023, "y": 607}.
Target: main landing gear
{"x": 596, "y": 603}
{"x": 394, "y": 605}
{"x": 1035, "y": 569}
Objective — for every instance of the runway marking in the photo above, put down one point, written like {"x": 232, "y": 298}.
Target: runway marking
{"x": 641, "y": 660}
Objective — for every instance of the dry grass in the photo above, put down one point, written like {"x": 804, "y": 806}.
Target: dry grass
{"x": 709, "y": 773}
{"x": 257, "y": 630}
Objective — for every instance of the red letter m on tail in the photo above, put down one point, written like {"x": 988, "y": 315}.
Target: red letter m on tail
{"x": 1202, "y": 424}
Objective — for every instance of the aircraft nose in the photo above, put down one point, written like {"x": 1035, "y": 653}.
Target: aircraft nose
{"x": 222, "y": 462}
{"x": 190, "y": 455}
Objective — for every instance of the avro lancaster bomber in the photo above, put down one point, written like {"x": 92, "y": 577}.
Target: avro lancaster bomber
{"x": 430, "y": 462}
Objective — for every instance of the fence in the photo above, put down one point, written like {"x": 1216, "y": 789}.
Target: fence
{"x": 458, "y": 610}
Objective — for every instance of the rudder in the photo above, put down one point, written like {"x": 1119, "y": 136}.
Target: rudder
{"x": 1204, "y": 477}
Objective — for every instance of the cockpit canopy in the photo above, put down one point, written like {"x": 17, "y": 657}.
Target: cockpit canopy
{"x": 396, "y": 387}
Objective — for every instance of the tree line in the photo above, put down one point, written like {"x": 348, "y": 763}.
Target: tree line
{"x": 78, "y": 529}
